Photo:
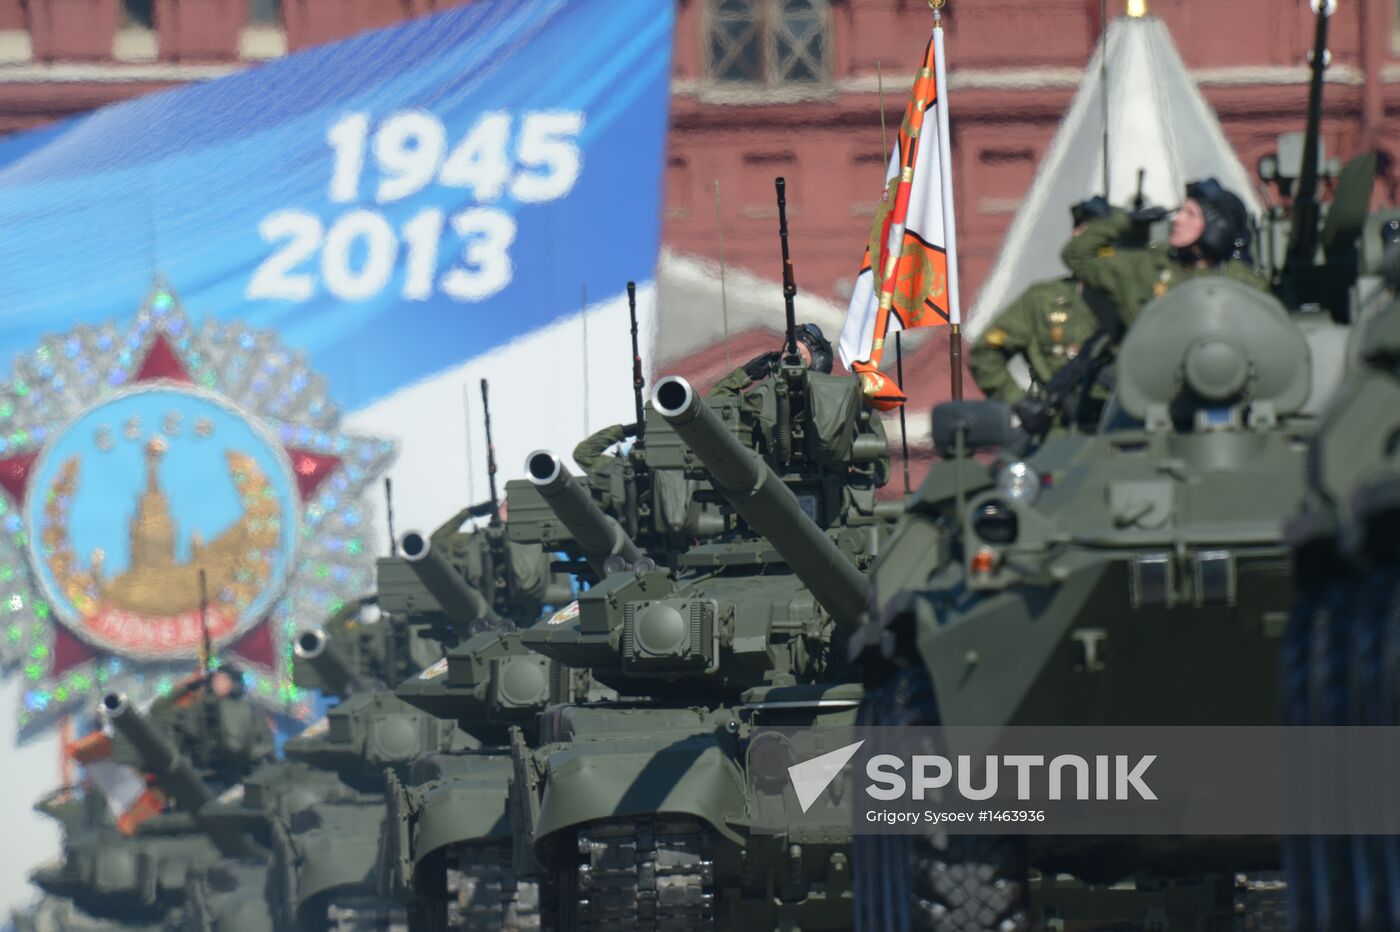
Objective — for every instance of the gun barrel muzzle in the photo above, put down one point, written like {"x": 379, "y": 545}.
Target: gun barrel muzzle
{"x": 458, "y": 599}
{"x": 598, "y": 535}
{"x": 319, "y": 652}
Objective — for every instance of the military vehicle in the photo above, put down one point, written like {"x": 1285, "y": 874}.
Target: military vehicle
{"x": 1340, "y": 653}
{"x": 318, "y": 816}
{"x": 1136, "y": 576}
{"x": 453, "y": 851}
{"x": 131, "y": 872}
{"x": 636, "y": 808}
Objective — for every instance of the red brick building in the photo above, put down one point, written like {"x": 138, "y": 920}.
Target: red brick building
{"x": 766, "y": 87}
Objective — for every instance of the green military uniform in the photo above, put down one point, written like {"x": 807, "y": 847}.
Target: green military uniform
{"x": 1132, "y": 277}
{"x": 1047, "y": 324}
{"x": 592, "y": 455}
{"x": 592, "y": 452}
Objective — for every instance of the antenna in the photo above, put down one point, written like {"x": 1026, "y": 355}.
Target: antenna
{"x": 1303, "y": 246}
{"x": 389, "y": 515}
{"x": 206, "y": 653}
{"x": 789, "y": 283}
{"x": 637, "y": 381}
{"x": 490, "y": 455}
{"x": 583, "y": 319}
{"x": 723, "y": 296}
{"x": 903, "y": 427}
{"x": 1103, "y": 87}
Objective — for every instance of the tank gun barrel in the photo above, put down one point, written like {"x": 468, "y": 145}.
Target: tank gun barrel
{"x": 340, "y": 679}
{"x": 458, "y": 599}
{"x": 761, "y": 498}
{"x": 599, "y": 535}
{"x": 175, "y": 774}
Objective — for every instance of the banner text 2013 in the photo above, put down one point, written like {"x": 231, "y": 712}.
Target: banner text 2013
{"x": 532, "y": 157}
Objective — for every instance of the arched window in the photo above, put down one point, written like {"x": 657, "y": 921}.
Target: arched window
{"x": 264, "y": 12}
{"x": 139, "y": 13}
{"x": 768, "y": 42}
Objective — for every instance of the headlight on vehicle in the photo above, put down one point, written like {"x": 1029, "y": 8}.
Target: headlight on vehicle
{"x": 1019, "y": 483}
{"x": 995, "y": 522}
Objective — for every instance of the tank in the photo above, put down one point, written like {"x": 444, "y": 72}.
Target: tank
{"x": 455, "y": 855}
{"x": 636, "y": 807}
{"x": 133, "y": 872}
{"x": 320, "y": 814}
{"x": 1084, "y": 583}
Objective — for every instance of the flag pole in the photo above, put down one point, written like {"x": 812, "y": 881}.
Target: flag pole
{"x": 898, "y": 350}
{"x": 950, "y": 237}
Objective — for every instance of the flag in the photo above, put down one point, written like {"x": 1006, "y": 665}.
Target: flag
{"x": 907, "y": 246}
{"x": 129, "y": 794}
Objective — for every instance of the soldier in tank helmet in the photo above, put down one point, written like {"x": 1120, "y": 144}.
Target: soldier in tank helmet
{"x": 1209, "y": 236}
{"x": 1047, "y": 325}
{"x": 812, "y": 346}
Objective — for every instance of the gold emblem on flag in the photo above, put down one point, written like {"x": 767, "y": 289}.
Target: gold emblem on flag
{"x": 919, "y": 283}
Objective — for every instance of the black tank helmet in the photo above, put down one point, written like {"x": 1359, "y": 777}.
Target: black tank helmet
{"x": 1094, "y": 208}
{"x": 1226, "y": 232}
{"x": 811, "y": 336}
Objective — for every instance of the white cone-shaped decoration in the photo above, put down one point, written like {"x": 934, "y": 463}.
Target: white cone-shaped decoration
{"x": 1157, "y": 121}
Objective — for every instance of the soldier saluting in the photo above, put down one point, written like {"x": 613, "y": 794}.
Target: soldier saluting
{"x": 1047, "y": 325}
{"x": 1209, "y": 236}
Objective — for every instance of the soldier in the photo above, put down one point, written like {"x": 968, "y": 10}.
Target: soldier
{"x": 591, "y": 454}
{"x": 1209, "y": 236}
{"x": 1047, "y": 325}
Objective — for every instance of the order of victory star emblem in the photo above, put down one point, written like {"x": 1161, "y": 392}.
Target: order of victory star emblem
{"x": 165, "y": 487}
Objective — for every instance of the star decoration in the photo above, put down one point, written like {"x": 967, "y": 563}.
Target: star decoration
{"x": 266, "y": 384}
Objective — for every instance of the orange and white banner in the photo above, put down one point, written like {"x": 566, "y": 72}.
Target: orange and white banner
{"x": 909, "y": 244}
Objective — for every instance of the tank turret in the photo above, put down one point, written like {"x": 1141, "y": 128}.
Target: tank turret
{"x": 337, "y": 676}
{"x": 761, "y": 499}
{"x": 459, "y": 601}
{"x": 172, "y": 770}
{"x": 599, "y": 536}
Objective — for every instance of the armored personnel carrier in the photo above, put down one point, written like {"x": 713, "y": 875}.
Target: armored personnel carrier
{"x": 1140, "y": 575}
{"x": 1078, "y": 585}
{"x": 637, "y": 808}
{"x": 1341, "y": 648}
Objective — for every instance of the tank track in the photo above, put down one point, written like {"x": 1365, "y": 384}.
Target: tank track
{"x": 641, "y": 875}
{"x": 1261, "y": 903}
{"x": 484, "y": 894}
{"x": 360, "y": 914}
{"x": 956, "y": 883}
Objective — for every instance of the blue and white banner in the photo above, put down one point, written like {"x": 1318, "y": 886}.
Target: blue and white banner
{"x": 404, "y": 207}
{"x": 229, "y": 310}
